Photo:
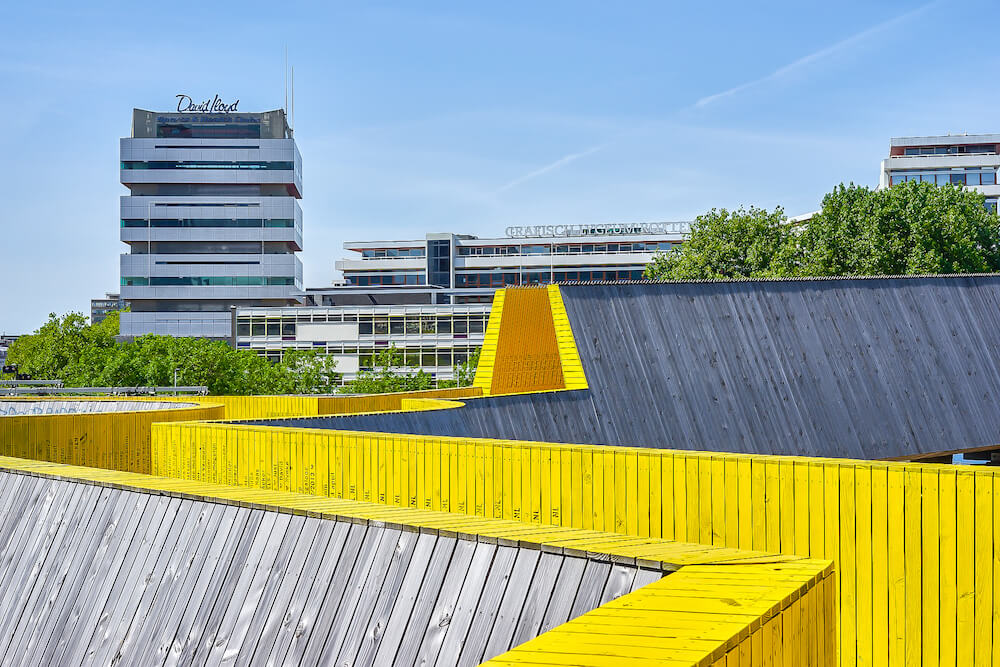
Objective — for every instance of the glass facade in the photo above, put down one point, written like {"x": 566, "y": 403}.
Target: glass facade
{"x": 205, "y": 281}
{"x": 370, "y": 253}
{"x": 496, "y": 279}
{"x": 977, "y": 176}
{"x": 254, "y": 223}
{"x": 209, "y": 131}
{"x": 979, "y": 149}
{"x": 370, "y": 278}
{"x": 206, "y": 164}
{"x": 439, "y": 263}
{"x": 566, "y": 248}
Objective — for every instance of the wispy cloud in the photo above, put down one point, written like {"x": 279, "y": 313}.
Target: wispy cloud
{"x": 552, "y": 166}
{"x": 796, "y": 65}
{"x": 791, "y": 67}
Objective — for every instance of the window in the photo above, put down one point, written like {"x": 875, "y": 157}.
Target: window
{"x": 209, "y": 131}
{"x": 206, "y": 281}
{"x": 957, "y": 179}
{"x": 206, "y": 164}
{"x": 209, "y": 222}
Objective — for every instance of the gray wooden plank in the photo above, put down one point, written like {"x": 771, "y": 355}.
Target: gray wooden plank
{"x": 195, "y": 632}
{"x": 329, "y": 539}
{"x": 369, "y": 626}
{"x": 444, "y": 609}
{"x": 415, "y": 627}
{"x": 512, "y": 604}
{"x": 24, "y": 529}
{"x": 60, "y": 497}
{"x": 264, "y": 583}
{"x": 588, "y": 596}
{"x": 324, "y": 597}
{"x": 364, "y": 582}
{"x": 202, "y": 568}
{"x": 484, "y": 614}
{"x": 231, "y": 631}
{"x": 53, "y": 596}
{"x": 644, "y": 577}
{"x": 468, "y": 601}
{"x": 175, "y": 582}
{"x": 183, "y": 530}
{"x": 790, "y": 367}
{"x": 157, "y": 514}
{"x": 355, "y": 562}
{"x": 124, "y": 599}
{"x": 619, "y": 582}
{"x": 406, "y": 597}
{"x": 564, "y": 592}
{"x": 537, "y": 600}
{"x": 79, "y": 618}
{"x": 275, "y": 600}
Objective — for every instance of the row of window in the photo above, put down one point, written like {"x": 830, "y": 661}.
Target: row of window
{"x": 212, "y": 131}
{"x": 427, "y": 357}
{"x": 946, "y": 177}
{"x": 377, "y": 325}
{"x": 253, "y": 223}
{"x": 208, "y": 164}
{"x": 566, "y": 248}
{"x": 977, "y": 149}
{"x": 363, "y": 280}
{"x": 501, "y": 279}
{"x": 393, "y": 252}
{"x": 205, "y": 281}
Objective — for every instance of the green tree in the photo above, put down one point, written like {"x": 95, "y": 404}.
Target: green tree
{"x": 386, "y": 376}
{"x": 909, "y": 228}
{"x": 744, "y": 243}
{"x": 82, "y": 355}
{"x": 307, "y": 372}
{"x": 465, "y": 373}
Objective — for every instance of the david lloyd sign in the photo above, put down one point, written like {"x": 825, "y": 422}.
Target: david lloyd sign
{"x": 540, "y": 231}
{"x": 215, "y": 105}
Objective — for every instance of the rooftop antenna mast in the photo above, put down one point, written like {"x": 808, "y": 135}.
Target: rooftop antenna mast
{"x": 293, "y": 98}
{"x": 284, "y": 74}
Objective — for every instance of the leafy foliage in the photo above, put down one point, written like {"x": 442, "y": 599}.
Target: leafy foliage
{"x": 465, "y": 373}
{"x": 67, "y": 348}
{"x": 911, "y": 228}
{"x": 386, "y": 376}
{"x": 726, "y": 244}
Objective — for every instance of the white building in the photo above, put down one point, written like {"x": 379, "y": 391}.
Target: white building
{"x": 212, "y": 218}
{"x": 434, "y": 338}
{"x": 969, "y": 160}
{"x": 431, "y": 297}
{"x": 462, "y": 268}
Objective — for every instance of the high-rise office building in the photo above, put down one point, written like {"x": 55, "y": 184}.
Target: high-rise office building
{"x": 969, "y": 160}
{"x": 212, "y": 218}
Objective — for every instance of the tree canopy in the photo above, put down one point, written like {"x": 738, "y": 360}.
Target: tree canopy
{"x": 81, "y": 355}
{"x": 387, "y": 376}
{"x": 911, "y": 228}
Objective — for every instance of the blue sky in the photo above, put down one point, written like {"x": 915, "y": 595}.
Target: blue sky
{"x": 469, "y": 117}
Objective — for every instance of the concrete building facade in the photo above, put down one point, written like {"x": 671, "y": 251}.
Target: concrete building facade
{"x": 212, "y": 219}
{"x": 968, "y": 160}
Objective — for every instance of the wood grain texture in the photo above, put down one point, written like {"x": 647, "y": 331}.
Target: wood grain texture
{"x": 102, "y": 575}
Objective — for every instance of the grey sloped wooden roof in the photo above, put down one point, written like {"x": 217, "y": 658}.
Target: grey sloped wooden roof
{"x": 858, "y": 368}
{"x": 97, "y": 575}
